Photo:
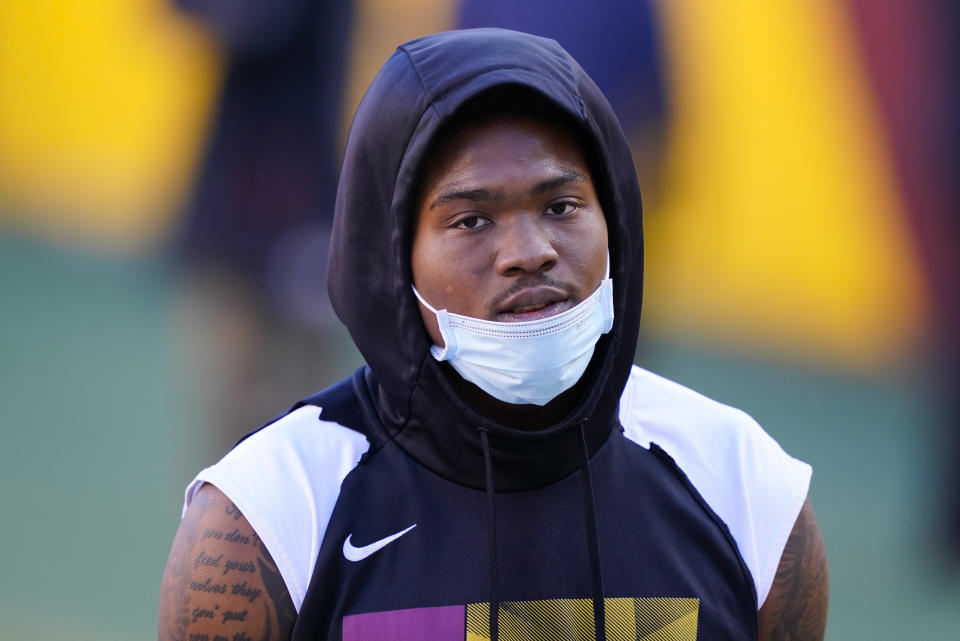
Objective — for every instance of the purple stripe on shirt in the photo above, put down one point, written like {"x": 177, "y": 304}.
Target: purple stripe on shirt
{"x": 444, "y": 623}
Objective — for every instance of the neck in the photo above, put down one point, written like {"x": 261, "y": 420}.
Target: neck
{"x": 521, "y": 417}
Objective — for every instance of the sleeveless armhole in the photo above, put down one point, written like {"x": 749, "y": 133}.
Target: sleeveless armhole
{"x": 745, "y": 477}
{"x": 286, "y": 479}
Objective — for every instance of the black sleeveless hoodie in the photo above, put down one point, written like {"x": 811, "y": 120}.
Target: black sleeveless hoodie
{"x": 571, "y": 531}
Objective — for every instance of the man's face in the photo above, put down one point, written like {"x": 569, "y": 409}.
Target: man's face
{"x": 509, "y": 227}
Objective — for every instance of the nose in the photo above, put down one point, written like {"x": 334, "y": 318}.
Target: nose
{"x": 525, "y": 247}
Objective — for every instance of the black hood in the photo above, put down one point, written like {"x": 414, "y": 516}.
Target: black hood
{"x": 417, "y": 90}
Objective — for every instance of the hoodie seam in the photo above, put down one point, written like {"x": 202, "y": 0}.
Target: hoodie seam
{"x": 423, "y": 85}
{"x": 416, "y": 387}
{"x": 434, "y": 99}
{"x": 671, "y": 464}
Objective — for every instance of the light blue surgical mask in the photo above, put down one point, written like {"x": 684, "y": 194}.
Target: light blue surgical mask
{"x": 527, "y": 362}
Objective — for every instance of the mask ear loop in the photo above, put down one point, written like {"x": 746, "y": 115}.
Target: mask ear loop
{"x": 449, "y": 344}
{"x": 607, "y": 302}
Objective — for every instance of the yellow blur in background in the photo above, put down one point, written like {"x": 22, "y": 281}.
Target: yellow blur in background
{"x": 103, "y": 109}
{"x": 779, "y": 227}
{"x": 781, "y": 224}
{"x": 782, "y": 276}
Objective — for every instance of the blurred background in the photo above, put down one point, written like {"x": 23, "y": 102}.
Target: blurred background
{"x": 167, "y": 173}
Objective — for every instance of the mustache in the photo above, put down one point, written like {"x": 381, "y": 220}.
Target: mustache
{"x": 533, "y": 281}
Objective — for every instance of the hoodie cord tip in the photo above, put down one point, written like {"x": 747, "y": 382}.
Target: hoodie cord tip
{"x": 593, "y": 540}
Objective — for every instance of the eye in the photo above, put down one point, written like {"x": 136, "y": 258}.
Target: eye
{"x": 561, "y": 208}
{"x": 471, "y": 222}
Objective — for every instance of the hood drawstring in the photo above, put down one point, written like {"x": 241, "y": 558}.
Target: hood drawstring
{"x": 494, "y": 613}
{"x": 593, "y": 544}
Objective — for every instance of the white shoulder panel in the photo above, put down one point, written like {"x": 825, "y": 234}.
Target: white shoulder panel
{"x": 286, "y": 479}
{"x": 739, "y": 470}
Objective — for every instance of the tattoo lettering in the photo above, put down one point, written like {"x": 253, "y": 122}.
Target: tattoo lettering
{"x": 199, "y": 613}
{"x": 205, "y": 559}
{"x": 218, "y": 575}
{"x": 208, "y": 586}
{"x": 230, "y": 615}
{"x": 239, "y": 566}
{"x": 236, "y": 537}
{"x": 243, "y": 590}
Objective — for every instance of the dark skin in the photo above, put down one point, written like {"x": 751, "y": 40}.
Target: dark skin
{"x": 507, "y": 209}
{"x": 509, "y": 228}
{"x": 220, "y": 582}
{"x": 796, "y": 608}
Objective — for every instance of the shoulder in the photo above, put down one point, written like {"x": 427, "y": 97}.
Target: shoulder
{"x": 285, "y": 479}
{"x": 706, "y": 435}
{"x": 742, "y": 473}
{"x": 655, "y": 406}
{"x": 220, "y": 581}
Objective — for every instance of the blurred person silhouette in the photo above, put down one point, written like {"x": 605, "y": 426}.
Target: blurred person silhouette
{"x": 253, "y": 241}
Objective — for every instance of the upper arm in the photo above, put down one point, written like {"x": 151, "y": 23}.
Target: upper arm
{"x": 796, "y": 608}
{"x": 220, "y": 583}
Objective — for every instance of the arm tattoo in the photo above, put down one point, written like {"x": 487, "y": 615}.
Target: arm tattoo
{"x": 277, "y": 592}
{"x": 220, "y": 583}
{"x": 174, "y": 613}
{"x": 796, "y": 608}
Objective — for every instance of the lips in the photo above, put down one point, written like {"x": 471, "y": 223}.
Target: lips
{"x": 533, "y": 303}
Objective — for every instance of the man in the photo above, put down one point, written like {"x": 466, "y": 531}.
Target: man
{"x": 499, "y": 469}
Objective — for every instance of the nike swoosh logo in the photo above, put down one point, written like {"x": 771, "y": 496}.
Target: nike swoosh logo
{"x": 355, "y": 554}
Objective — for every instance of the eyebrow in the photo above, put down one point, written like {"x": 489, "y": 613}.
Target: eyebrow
{"x": 565, "y": 177}
{"x": 476, "y": 195}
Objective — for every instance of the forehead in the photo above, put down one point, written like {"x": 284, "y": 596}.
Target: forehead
{"x": 498, "y": 146}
